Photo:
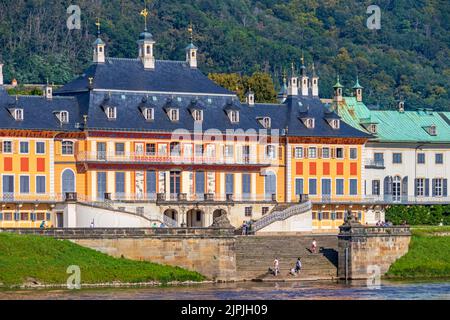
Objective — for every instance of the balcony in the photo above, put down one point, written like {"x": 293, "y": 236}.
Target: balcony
{"x": 379, "y": 200}
{"x": 173, "y": 160}
{"x": 30, "y": 198}
{"x": 374, "y": 164}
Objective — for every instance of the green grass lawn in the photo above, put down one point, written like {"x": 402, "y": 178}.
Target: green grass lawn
{"x": 428, "y": 256}
{"x": 46, "y": 260}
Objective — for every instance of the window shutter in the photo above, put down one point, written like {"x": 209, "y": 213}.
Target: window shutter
{"x": 1, "y": 146}
{"x": 280, "y": 153}
{"x": 319, "y": 153}
{"x": 15, "y": 147}
{"x": 16, "y": 216}
{"x": 405, "y": 186}
{"x": 305, "y": 153}
{"x": 320, "y": 216}
{"x": 427, "y": 187}
{"x": 416, "y": 186}
{"x": 433, "y": 187}
{"x": 445, "y": 188}
{"x": 48, "y": 216}
{"x": 1, "y": 216}
{"x": 293, "y": 153}
{"x": 344, "y": 153}
{"x": 333, "y": 153}
{"x": 333, "y": 216}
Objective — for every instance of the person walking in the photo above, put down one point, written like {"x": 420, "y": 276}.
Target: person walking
{"x": 314, "y": 246}
{"x": 276, "y": 267}
{"x": 298, "y": 266}
{"x": 244, "y": 228}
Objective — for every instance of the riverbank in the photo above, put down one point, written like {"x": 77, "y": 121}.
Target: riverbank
{"x": 33, "y": 261}
{"x": 428, "y": 256}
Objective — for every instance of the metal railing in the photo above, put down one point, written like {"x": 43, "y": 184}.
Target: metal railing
{"x": 379, "y": 199}
{"x": 137, "y": 157}
{"x": 31, "y": 197}
{"x": 374, "y": 163}
{"x": 281, "y": 215}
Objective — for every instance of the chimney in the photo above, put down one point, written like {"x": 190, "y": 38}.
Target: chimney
{"x": 401, "y": 106}
{"x": 48, "y": 91}
{"x": 250, "y": 98}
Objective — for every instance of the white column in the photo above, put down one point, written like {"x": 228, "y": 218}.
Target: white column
{"x": 94, "y": 184}
{"x": 288, "y": 173}
{"x": 52, "y": 166}
{"x": 111, "y": 180}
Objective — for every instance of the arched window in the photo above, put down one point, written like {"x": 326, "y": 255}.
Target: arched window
{"x": 68, "y": 181}
{"x": 270, "y": 185}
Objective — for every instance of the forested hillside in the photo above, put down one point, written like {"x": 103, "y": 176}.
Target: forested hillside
{"x": 408, "y": 57}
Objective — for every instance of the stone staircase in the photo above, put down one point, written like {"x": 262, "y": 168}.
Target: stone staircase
{"x": 255, "y": 254}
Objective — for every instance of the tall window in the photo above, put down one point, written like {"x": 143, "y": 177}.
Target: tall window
{"x": 229, "y": 183}
{"x": 150, "y": 149}
{"x": 68, "y": 181}
{"x": 326, "y": 187}
{"x": 24, "y": 184}
{"x": 24, "y": 147}
{"x": 420, "y": 187}
{"x": 246, "y": 186}
{"x": 40, "y": 184}
{"x": 353, "y": 187}
{"x": 312, "y": 152}
{"x": 234, "y": 116}
{"x": 120, "y": 149}
{"x": 271, "y": 152}
{"x": 151, "y": 183}
{"x": 326, "y": 153}
{"x": 396, "y": 158}
{"x": 339, "y": 187}
{"x": 101, "y": 185}
{"x": 313, "y": 186}
{"x": 438, "y": 187}
{"x": 120, "y": 184}
{"x": 298, "y": 152}
{"x": 421, "y": 158}
{"x": 379, "y": 158}
{"x": 40, "y": 147}
{"x": 175, "y": 149}
{"x": 376, "y": 187}
{"x": 270, "y": 185}
{"x": 353, "y": 153}
{"x": 175, "y": 178}
{"x": 299, "y": 186}
{"x": 67, "y": 148}
{"x": 200, "y": 183}
{"x": 340, "y": 153}
{"x": 229, "y": 151}
{"x": 7, "y": 147}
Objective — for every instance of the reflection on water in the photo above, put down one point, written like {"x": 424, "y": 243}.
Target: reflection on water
{"x": 252, "y": 291}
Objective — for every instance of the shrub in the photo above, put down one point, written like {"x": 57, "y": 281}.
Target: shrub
{"x": 419, "y": 215}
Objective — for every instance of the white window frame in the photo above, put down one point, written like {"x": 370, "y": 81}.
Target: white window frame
{"x": 11, "y": 145}
{"x": 310, "y": 156}
{"x": 149, "y": 114}
{"x": 373, "y": 128}
{"x": 174, "y": 115}
{"x": 45, "y": 183}
{"x": 329, "y": 153}
{"x": 20, "y": 147}
{"x": 62, "y": 148}
{"x": 439, "y": 186}
{"x": 197, "y": 115}
{"x": 298, "y": 152}
{"x": 420, "y": 191}
{"x": 266, "y": 122}
{"x": 335, "y": 124}
{"x": 111, "y": 113}
{"x": 310, "y": 123}
{"x": 18, "y": 114}
{"x": 271, "y": 152}
{"x": 234, "y": 116}
{"x": 64, "y": 116}
{"x": 20, "y": 184}
{"x": 36, "y": 148}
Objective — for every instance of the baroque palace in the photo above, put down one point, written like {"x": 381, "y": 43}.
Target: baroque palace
{"x": 134, "y": 142}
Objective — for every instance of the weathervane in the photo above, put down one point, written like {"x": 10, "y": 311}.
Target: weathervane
{"x": 145, "y": 14}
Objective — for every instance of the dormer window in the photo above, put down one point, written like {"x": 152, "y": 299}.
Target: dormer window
{"x": 309, "y": 123}
{"x": 149, "y": 114}
{"x": 373, "y": 128}
{"x": 266, "y": 122}
{"x": 432, "y": 130}
{"x": 18, "y": 114}
{"x": 63, "y": 116}
{"x": 335, "y": 124}
{"x": 234, "y": 116}
{"x": 111, "y": 113}
{"x": 197, "y": 115}
{"x": 174, "y": 115}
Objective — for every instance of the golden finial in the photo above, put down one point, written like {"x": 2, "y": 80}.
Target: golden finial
{"x": 145, "y": 14}
{"x": 98, "y": 24}
{"x": 191, "y": 31}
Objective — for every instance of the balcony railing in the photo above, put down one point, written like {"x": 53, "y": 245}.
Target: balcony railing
{"x": 381, "y": 199}
{"x": 376, "y": 164}
{"x": 134, "y": 157}
{"x": 30, "y": 198}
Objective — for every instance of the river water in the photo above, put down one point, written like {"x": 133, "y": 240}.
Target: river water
{"x": 252, "y": 291}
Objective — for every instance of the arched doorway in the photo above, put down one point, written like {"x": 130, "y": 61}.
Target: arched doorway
{"x": 270, "y": 185}
{"x": 68, "y": 181}
{"x": 195, "y": 218}
{"x": 171, "y": 218}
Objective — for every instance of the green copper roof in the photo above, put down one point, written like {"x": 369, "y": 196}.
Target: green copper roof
{"x": 395, "y": 126}
{"x": 357, "y": 85}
